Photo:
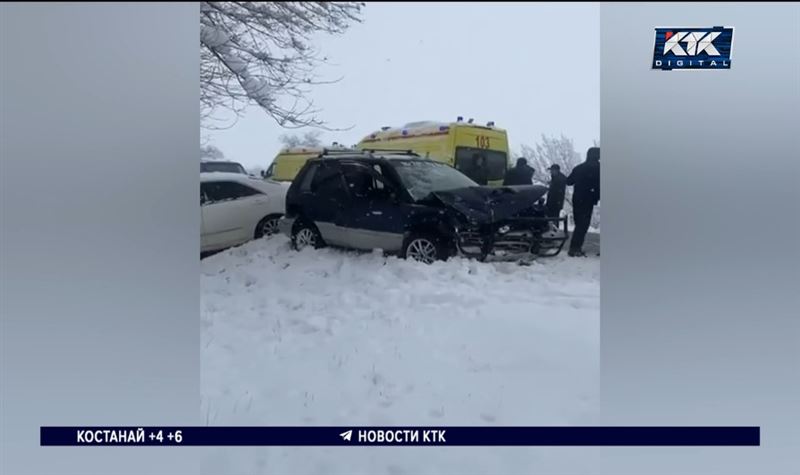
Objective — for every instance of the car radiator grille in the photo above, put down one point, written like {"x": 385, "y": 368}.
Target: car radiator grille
{"x": 471, "y": 241}
{"x": 512, "y": 242}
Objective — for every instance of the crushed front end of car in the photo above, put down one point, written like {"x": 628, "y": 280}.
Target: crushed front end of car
{"x": 513, "y": 238}
{"x": 507, "y": 223}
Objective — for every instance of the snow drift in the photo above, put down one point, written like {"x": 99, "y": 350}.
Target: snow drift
{"x": 327, "y": 337}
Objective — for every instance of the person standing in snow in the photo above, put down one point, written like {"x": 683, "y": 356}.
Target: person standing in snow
{"x": 555, "y": 193}
{"x": 480, "y": 173}
{"x": 519, "y": 174}
{"x": 585, "y": 182}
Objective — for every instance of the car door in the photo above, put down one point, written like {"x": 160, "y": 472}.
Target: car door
{"x": 256, "y": 201}
{"x": 229, "y": 213}
{"x": 375, "y": 214}
{"x": 324, "y": 203}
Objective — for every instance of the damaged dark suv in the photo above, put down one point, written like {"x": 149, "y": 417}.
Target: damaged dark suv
{"x": 418, "y": 208}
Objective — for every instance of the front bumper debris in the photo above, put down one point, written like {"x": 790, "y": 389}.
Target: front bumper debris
{"x": 514, "y": 239}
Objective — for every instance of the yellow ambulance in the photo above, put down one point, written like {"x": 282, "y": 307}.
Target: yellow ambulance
{"x": 290, "y": 160}
{"x": 461, "y": 144}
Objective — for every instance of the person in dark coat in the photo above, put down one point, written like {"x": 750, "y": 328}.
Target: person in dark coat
{"x": 520, "y": 174}
{"x": 585, "y": 182}
{"x": 556, "y": 192}
{"x": 480, "y": 172}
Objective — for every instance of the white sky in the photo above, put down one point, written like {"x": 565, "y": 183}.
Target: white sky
{"x": 532, "y": 68}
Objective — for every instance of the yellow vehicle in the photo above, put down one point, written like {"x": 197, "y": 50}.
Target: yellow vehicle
{"x": 460, "y": 144}
{"x": 290, "y": 160}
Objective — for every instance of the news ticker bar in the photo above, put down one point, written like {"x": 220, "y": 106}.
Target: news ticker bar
{"x": 458, "y": 435}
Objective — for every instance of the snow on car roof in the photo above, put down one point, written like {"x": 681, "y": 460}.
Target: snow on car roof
{"x": 215, "y": 176}
{"x": 424, "y": 127}
{"x": 413, "y": 128}
{"x": 424, "y": 124}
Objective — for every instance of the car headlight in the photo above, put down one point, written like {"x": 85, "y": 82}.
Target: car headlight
{"x": 504, "y": 229}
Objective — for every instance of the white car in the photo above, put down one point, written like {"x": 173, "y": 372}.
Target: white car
{"x": 222, "y": 166}
{"x": 236, "y": 208}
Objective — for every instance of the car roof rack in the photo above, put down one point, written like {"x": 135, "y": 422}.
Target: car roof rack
{"x": 394, "y": 151}
{"x": 338, "y": 151}
{"x": 368, "y": 151}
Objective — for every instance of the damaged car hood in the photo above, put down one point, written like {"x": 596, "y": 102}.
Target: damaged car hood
{"x": 485, "y": 204}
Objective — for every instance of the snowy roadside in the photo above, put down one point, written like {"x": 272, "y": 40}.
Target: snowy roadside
{"x": 330, "y": 337}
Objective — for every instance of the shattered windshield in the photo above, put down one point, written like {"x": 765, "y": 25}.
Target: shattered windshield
{"x": 421, "y": 178}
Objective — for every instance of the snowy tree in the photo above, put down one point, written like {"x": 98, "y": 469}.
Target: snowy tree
{"x": 552, "y": 151}
{"x": 312, "y": 138}
{"x": 557, "y": 151}
{"x": 211, "y": 152}
{"x": 260, "y": 53}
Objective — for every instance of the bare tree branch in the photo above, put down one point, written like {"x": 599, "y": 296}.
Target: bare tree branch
{"x": 312, "y": 138}
{"x": 261, "y": 53}
{"x": 211, "y": 152}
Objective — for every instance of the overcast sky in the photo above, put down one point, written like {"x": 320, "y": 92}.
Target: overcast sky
{"x": 531, "y": 68}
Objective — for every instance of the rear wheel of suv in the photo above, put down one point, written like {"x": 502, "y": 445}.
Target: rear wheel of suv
{"x": 423, "y": 248}
{"x": 305, "y": 235}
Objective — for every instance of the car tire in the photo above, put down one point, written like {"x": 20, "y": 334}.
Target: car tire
{"x": 305, "y": 234}
{"x": 425, "y": 248}
{"x": 268, "y": 226}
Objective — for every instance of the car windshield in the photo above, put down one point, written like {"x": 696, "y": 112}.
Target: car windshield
{"x": 421, "y": 178}
{"x": 223, "y": 167}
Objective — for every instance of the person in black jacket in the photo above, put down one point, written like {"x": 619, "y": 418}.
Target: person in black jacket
{"x": 585, "y": 180}
{"x": 556, "y": 192}
{"x": 520, "y": 174}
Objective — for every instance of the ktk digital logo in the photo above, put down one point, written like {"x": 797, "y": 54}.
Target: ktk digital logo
{"x": 693, "y": 48}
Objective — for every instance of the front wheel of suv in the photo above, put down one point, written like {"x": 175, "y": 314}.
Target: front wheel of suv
{"x": 424, "y": 248}
{"x": 306, "y": 235}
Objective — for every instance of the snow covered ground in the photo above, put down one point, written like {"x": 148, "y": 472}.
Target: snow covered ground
{"x": 328, "y": 337}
